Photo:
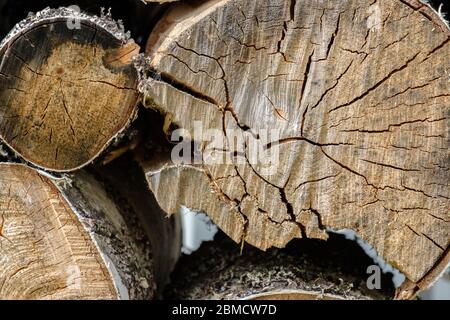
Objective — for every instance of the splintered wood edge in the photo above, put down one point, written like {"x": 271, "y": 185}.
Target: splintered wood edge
{"x": 87, "y": 276}
{"x": 105, "y": 21}
{"x": 112, "y": 233}
{"x": 177, "y": 22}
{"x": 120, "y": 58}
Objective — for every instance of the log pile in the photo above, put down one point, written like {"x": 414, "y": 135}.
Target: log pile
{"x": 280, "y": 120}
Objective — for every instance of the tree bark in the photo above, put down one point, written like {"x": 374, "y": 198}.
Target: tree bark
{"x": 359, "y": 94}
{"x": 73, "y": 238}
{"x": 164, "y": 233}
{"x": 304, "y": 270}
{"x": 67, "y": 87}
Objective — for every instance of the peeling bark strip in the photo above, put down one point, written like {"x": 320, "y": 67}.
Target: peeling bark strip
{"x": 359, "y": 91}
{"x": 68, "y": 239}
{"x": 67, "y": 87}
{"x": 305, "y": 270}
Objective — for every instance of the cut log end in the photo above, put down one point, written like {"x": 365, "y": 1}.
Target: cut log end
{"x": 305, "y": 270}
{"x": 45, "y": 252}
{"x": 70, "y": 239}
{"x": 67, "y": 86}
{"x": 358, "y": 92}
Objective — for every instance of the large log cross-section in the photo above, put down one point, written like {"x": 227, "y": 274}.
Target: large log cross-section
{"x": 358, "y": 94}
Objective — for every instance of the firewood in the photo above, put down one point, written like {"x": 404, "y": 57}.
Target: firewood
{"x": 160, "y": 1}
{"x": 164, "y": 233}
{"x": 76, "y": 237}
{"x": 67, "y": 87}
{"x": 357, "y": 96}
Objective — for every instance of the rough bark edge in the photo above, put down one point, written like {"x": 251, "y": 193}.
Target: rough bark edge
{"x": 324, "y": 269}
{"x": 429, "y": 13}
{"x": 409, "y": 289}
{"x": 105, "y": 21}
{"x": 57, "y": 183}
{"x": 127, "y": 257}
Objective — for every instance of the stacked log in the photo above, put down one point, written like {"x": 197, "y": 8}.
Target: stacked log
{"x": 280, "y": 120}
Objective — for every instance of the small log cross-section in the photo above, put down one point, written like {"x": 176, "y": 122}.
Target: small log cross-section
{"x": 359, "y": 93}
{"x": 67, "y": 87}
{"x": 62, "y": 239}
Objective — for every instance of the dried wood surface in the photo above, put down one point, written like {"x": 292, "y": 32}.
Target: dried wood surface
{"x": 66, "y": 92}
{"x": 359, "y": 93}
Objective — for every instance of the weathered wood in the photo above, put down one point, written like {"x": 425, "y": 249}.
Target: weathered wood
{"x": 359, "y": 93}
{"x": 67, "y": 87}
{"x": 164, "y": 233}
{"x": 304, "y": 270}
{"x": 72, "y": 238}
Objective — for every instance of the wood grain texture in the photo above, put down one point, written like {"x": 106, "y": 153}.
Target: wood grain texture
{"x": 71, "y": 238}
{"x": 45, "y": 251}
{"x": 359, "y": 91}
{"x": 65, "y": 91}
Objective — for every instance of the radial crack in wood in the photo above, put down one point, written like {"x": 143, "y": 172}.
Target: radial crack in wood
{"x": 67, "y": 87}
{"x": 358, "y": 93}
